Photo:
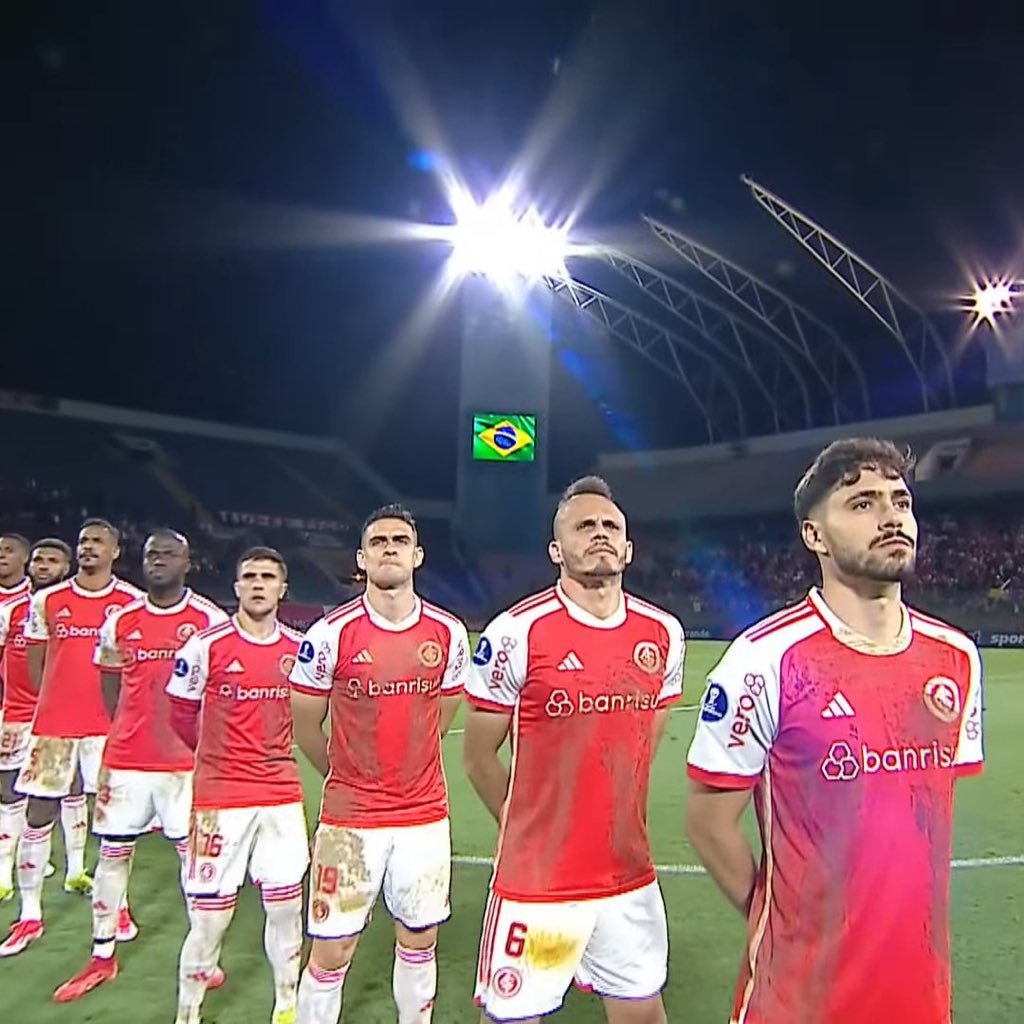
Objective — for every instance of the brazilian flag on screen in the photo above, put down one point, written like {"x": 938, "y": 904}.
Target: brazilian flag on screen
{"x": 501, "y": 438}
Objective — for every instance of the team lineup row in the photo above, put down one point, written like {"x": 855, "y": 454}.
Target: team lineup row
{"x": 169, "y": 710}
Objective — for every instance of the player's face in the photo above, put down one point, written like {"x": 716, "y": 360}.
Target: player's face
{"x": 389, "y": 554}
{"x": 48, "y": 565}
{"x": 165, "y": 561}
{"x": 260, "y": 587}
{"x": 590, "y": 538}
{"x": 97, "y": 549}
{"x": 867, "y": 529}
{"x": 13, "y": 557}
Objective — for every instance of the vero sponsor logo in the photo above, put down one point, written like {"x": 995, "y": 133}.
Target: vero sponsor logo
{"x": 844, "y": 763}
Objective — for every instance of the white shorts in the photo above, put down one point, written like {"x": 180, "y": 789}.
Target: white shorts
{"x": 14, "y": 737}
{"x": 51, "y": 762}
{"x": 530, "y": 953}
{"x": 268, "y": 841}
{"x": 129, "y": 802}
{"x": 412, "y": 864}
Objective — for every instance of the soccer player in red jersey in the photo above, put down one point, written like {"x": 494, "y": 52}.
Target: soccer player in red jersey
{"x": 50, "y": 562}
{"x": 231, "y": 703}
{"x": 849, "y": 717}
{"x": 390, "y": 668}
{"x": 71, "y": 720}
{"x": 14, "y": 556}
{"x": 582, "y": 675}
{"x": 146, "y": 770}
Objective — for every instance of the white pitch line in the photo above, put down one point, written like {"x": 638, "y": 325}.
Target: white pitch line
{"x": 696, "y": 869}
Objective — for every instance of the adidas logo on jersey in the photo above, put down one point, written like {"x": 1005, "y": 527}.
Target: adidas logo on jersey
{"x": 838, "y": 707}
{"x": 135, "y": 634}
{"x": 235, "y": 666}
{"x": 363, "y": 658}
{"x": 570, "y": 663}
{"x": 64, "y": 613}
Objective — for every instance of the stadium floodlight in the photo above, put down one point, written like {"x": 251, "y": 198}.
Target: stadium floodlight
{"x": 503, "y": 241}
{"x": 992, "y": 299}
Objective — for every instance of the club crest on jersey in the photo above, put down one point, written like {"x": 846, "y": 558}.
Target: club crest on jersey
{"x": 186, "y": 630}
{"x": 320, "y": 911}
{"x": 942, "y": 698}
{"x": 647, "y": 657}
{"x": 286, "y": 664}
{"x": 430, "y": 654}
{"x": 507, "y": 982}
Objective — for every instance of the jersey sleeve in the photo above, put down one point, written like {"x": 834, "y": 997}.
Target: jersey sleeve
{"x": 5, "y": 622}
{"x": 970, "y": 747}
{"x": 738, "y": 719}
{"x": 672, "y": 684}
{"x": 37, "y": 628}
{"x": 191, "y": 670}
{"x": 108, "y": 650}
{"x": 498, "y": 670}
{"x": 317, "y": 660}
{"x": 456, "y": 671}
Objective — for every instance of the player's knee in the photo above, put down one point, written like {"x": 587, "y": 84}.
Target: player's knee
{"x": 416, "y": 938}
{"x": 333, "y": 954}
{"x": 8, "y": 794}
{"x": 41, "y": 812}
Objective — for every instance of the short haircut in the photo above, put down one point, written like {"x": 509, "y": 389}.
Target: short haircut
{"x": 842, "y": 462}
{"x": 584, "y": 485}
{"x": 262, "y": 554}
{"x": 392, "y": 511}
{"x": 166, "y": 533}
{"x": 102, "y": 524}
{"x": 56, "y": 544}
{"x": 20, "y": 539}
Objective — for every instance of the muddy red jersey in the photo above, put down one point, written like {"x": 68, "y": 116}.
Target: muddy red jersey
{"x": 19, "y": 704}
{"x": 582, "y": 693}
{"x": 244, "y": 757}
{"x": 68, "y": 620}
{"x": 385, "y": 682}
{"x": 852, "y": 750}
{"x": 140, "y": 642}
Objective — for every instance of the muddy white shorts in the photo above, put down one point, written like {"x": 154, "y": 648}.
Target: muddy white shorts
{"x": 530, "y": 953}
{"x": 129, "y": 803}
{"x": 14, "y": 738}
{"x": 269, "y": 842}
{"x": 411, "y": 864}
{"x": 51, "y": 763}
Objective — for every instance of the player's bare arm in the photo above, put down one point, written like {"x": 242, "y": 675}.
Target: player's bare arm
{"x": 713, "y": 827}
{"x": 486, "y": 732}
{"x": 110, "y": 683}
{"x": 660, "y": 725}
{"x": 449, "y": 709}
{"x": 308, "y": 714}
{"x": 36, "y": 655}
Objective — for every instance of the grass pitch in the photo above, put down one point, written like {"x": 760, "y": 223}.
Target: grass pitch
{"x": 706, "y": 934}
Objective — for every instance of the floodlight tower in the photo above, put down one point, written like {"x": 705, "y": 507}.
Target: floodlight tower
{"x": 916, "y": 335}
{"x": 500, "y": 256}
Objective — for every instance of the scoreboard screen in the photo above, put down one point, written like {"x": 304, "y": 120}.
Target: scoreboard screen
{"x": 500, "y": 437}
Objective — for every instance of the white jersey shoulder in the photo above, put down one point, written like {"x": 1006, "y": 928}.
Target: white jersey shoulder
{"x": 317, "y": 658}
{"x": 456, "y": 669}
{"x": 37, "y": 623}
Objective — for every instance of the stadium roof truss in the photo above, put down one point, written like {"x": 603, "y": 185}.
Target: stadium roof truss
{"x": 913, "y": 331}
{"x": 702, "y": 370}
{"x": 818, "y": 348}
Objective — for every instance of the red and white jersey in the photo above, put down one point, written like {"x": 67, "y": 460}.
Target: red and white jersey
{"x": 582, "y": 693}
{"x": 68, "y": 620}
{"x": 140, "y": 642}
{"x": 244, "y": 757}
{"x": 22, "y": 589}
{"x": 852, "y": 750}
{"x": 20, "y": 697}
{"x": 385, "y": 681}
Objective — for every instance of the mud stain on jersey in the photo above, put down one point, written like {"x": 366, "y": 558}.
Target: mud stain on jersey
{"x": 547, "y": 950}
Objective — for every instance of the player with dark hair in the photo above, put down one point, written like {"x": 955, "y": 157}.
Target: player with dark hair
{"x": 14, "y": 556}
{"x": 581, "y": 675}
{"x": 390, "y": 669}
{"x": 49, "y": 563}
{"x": 231, "y": 705}
{"x": 849, "y": 716}
{"x": 71, "y": 721}
{"x": 146, "y": 771}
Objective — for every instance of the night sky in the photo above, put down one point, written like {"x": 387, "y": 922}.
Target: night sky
{"x": 182, "y": 184}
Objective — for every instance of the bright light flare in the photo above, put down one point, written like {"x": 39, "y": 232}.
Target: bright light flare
{"x": 504, "y": 242}
{"x": 993, "y": 299}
